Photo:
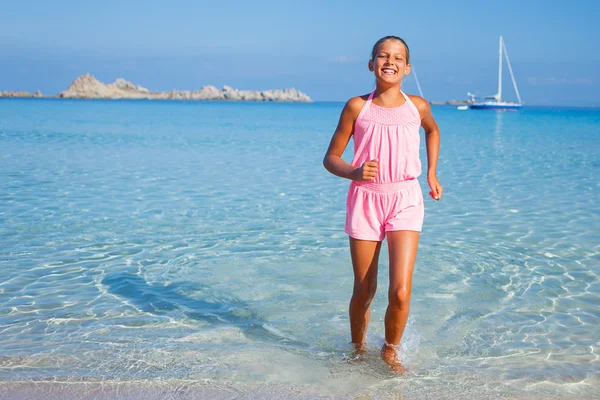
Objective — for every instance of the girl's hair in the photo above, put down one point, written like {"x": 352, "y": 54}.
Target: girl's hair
{"x": 383, "y": 39}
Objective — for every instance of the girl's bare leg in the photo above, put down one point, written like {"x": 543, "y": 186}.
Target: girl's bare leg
{"x": 365, "y": 256}
{"x": 403, "y": 247}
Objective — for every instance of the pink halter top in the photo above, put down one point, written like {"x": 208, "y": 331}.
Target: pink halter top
{"x": 390, "y": 135}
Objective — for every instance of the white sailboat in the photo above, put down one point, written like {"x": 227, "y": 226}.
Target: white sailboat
{"x": 495, "y": 102}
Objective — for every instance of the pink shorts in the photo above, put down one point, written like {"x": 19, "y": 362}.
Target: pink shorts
{"x": 372, "y": 209}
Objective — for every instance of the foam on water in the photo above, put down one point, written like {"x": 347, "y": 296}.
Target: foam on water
{"x": 182, "y": 248}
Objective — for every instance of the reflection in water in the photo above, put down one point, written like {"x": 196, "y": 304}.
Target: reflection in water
{"x": 498, "y": 145}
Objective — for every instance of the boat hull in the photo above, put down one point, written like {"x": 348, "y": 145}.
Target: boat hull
{"x": 495, "y": 106}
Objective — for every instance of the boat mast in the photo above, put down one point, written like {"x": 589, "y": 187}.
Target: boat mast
{"x": 417, "y": 81}
{"x": 499, "y": 95}
{"x": 511, "y": 73}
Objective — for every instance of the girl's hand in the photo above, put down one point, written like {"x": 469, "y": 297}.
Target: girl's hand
{"x": 436, "y": 188}
{"x": 366, "y": 173}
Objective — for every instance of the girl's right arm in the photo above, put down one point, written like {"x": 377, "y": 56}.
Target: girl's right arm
{"x": 333, "y": 161}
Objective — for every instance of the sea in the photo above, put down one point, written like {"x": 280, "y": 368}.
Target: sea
{"x": 172, "y": 249}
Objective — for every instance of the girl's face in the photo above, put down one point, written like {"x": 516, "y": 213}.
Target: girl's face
{"x": 390, "y": 64}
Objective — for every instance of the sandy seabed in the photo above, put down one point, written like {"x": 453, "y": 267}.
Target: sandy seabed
{"x": 188, "y": 389}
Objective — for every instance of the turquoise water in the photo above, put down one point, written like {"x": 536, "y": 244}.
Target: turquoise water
{"x": 170, "y": 242}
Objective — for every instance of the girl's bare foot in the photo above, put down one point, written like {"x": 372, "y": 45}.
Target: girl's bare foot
{"x": 389, "y": 355}
{"x": 359, "y": 352}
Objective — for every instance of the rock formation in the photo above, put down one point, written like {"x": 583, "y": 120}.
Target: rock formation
{"x": 20, "y": 94}
{"x": 88, "y": 87}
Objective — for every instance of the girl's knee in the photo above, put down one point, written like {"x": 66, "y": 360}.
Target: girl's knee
{"x": 364, "y": 292}
{"x": 399, "y": 297}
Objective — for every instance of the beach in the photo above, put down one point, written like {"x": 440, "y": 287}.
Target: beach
{"x": 217, "y": 391}
{"x": 173, "y": 249}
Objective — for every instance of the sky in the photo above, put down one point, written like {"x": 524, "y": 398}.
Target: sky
{"x": 319, "y": 47}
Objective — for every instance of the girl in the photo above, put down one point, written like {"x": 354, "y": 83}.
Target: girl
{"x": 384, "y": 199}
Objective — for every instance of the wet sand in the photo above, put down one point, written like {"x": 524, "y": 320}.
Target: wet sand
{"x": 148, "y": 390}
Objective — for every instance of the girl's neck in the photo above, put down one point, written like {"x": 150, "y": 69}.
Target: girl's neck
{"x": 388, "y": 96}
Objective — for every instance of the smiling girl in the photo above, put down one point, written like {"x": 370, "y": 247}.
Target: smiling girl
{"x": 384, "y": 199}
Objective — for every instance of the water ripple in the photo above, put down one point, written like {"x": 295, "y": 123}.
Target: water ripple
{"x": 140, "y": 244}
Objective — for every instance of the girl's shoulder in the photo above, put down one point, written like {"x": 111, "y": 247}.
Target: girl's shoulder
{"x": 418, "y": 101}
{"x": 422, "y": 105}
{"x": 356, "y": 104}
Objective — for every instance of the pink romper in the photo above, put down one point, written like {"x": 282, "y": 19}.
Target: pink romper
{"x": 393, "y": 201}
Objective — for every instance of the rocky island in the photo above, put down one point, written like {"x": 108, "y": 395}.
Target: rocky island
{"x": 20, "y": 94}
{"x": 449, "y": 103}
{"x": 88, "y": 87}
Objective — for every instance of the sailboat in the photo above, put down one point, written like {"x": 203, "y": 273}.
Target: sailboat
{"x": 495, "y": 102}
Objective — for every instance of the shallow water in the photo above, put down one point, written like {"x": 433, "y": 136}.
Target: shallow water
{"x": 200, "y": 242}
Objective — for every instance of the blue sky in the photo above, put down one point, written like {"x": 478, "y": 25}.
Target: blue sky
{"x": 320, "y": 47}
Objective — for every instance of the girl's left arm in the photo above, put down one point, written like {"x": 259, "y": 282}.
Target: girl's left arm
{"x": 432, "y": 138}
